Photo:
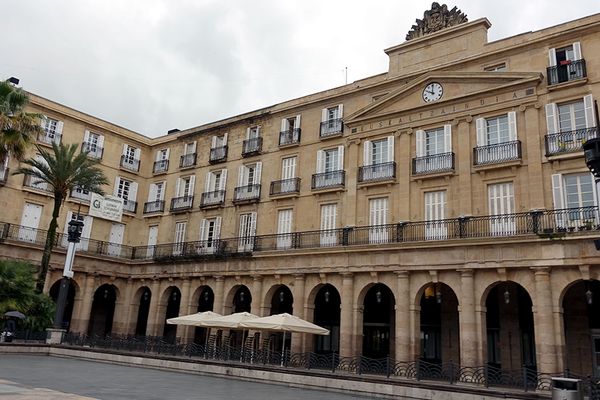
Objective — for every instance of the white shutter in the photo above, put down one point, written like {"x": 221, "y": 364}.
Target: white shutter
{"x": 101, "y": 141}
{"x": 552, "y": 57}
{"x": 340, "y": 111}
{"x": 420, "y": 143}
{"x": 284, "y": 223}
{"x": 158, "y": 156}
{"x": 133, "y": 186}
{"x": 512, "y": 126}
{"x": 203, "y": 231}
{"x": 551, "y": 118}
{"x": 367, "y": 156}
{"x": 208, "y": 185}
{"x": 481, "y": 132}
{"x": 217, "y": 229}
{"x": 240, "y": 180}
{"x": 324, "y": 115}
{"x": 243, "y": 221}
{"x": 59, "y": 129}
{"x": 557, "y": 192}
{"x": 137, "y": 153}
{"x": 253, "y": 224}
{"x": 320, "y": 161}
{"x": 167, "y": 154}
{"x": 447, "y": 138}
{"x": 576, "y": 51}
{"x": 590, "y": 115}
{"x": 225, "y": 139}
{"x": 223, "y": 181}
{"x": 86, "y": 136}
{"x": 247, "y": 133}
{"x": 390, "y": 148}
{"x": 340, "y": 158}
{"x": 258, "y": 130}
{"x": 125, "y": 149}
{"x": 285, "y": 125}
{"x": 297, "y": 122}
{"x": 164, "y": 189}
{"x": 178, "y": 188}
{"x": 213, "y": 143}
{"x": 152, "y": 192}
{"x": 257, "y": 173}
{"x": 192, "y": 181}
{"x": 116, "y": 189}
{"x": 288, "y": 168}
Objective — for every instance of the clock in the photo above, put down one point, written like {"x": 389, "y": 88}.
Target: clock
{"x": 433, "y": 92}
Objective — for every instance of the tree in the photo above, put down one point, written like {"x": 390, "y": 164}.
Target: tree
{"x": 62, "y": 170}
{"x": 18, "y": 129}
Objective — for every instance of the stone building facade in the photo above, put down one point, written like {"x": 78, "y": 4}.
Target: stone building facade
{"x": 440, "y": 211}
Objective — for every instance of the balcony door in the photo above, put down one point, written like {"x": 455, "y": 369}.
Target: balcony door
{"x": 328, "y": 225}
{"x": 284, "y": 229}
{"x": 502, "y": 206}
{"x": 378, "y": 210}
{"x": 435, "y": 213}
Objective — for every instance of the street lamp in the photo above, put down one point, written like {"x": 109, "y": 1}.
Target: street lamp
{"x": 591, "y": 151}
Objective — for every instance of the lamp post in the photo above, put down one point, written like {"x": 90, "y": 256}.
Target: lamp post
{"x": 73, "y": 237}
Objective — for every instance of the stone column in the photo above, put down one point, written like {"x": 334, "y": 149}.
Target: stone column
{"x": 545, "y": 344}
{"x": 258, "y": 306}
{"x": 153, "y": 311}
{"x": 403, "y": 332}
{"x": 122, "y": 305}
{"x": 298, "y": 338}
{"x": 184, "y": 331}
{"x": 346, "y": 325}
{"x": 467, "y": 323}
{"x": 81, "y": 320}
{"x": 463, "y": 166}
{"x": 219, "y": 301}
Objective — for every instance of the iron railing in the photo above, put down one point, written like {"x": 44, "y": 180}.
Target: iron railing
{"x": 570, "y": 141}
{"x": 497, "y": 153}
{"x": 93, "y": 150}
{"x": 154, "y": 206}
{"x": 214, "y": 198}
{"x": 129, "y": 206}
{"x": 327, "y": 180}
{"x": 252, "y": 146}
{"x": 331, "y": 127}
{"x": 566, "y": 71}
{"x": 130, "y": 163}
{"x": 377, "y": 172}
{"x": 160, "y": 166}
{"x": 187, "y": 160}
{"x": 552, "y": 224}
{"x": 433, "y": 163}
{"x": 35, "y": 183}
{"x": 4, "y": 175}
{"x": 285, "y": 186}
{"x": 182, "y": 203}
{"x": 246, "y": 193}
{"x": 289, "y": 137}
{"x": 49, "y": 138}
{"x": 218, "y": 154}
{"x": 225, "y": 349}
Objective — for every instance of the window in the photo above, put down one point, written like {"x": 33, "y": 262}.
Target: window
{"x": 185, "y": 186}
{"x": 284, "y": 229}
{"x": 161, "y": 161}
{"x": 126, "y": 190}
{"x": 379, "y": 151}
{"x": 331, "y": 120}
{"x": 435, "y": 212}
{"x": 328, "y": 225}
{"x": 331, "y": 160}
{"x": 93, "y": 143}
{"x": 249, "y": 174}
{"x": 434, "y": 148}
{"x": 575, "y": 194}
{"x": 378, "y": 210}
{"x": 571, "y": 116}
{"x": 253, "y": 132}
{"x": 216, "y": 180}
{"x": 218, "y": 141}
{"x": 130, "y": 158}
{"x": 330, "y": 168}
{"x": 156, "y": 197}
{"x": 501, "y": 67}
{"x": 565, "y": 64}
{"x": 52, "y": 130}
{"x": 501, "y": 207}
{"x": 497, "y": 139}
{"x": 210, "y": 231}
{"x": 80, "y": 193}
{"x": 497, "y": 130}
{"x": 179, "y": 239}
{"x": 247, "y": 232}
{"x": 290, "y": 131}
{"x": 288, "y": 168}
{"x": 569, "y": 125}
{"x": 253, "y": 143}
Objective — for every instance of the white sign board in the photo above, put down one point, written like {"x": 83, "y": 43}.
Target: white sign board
{"x": 109, "y": 207}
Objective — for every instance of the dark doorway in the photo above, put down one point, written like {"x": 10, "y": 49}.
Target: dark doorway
{"x": 327, "y": 315}
{"x": 378, "y": 322}
{"x": 439, "y": 325}
{"x": 173, "y": 303}
{"x": 68, "y": 314}
{"x": 282, "y": 301}
{"x": 141, "y": 325}
{"x": 103, "y": 310}
{"x": 205, "y": 303}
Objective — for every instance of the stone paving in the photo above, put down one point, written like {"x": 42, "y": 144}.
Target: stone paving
{"x": 43, "y": 377}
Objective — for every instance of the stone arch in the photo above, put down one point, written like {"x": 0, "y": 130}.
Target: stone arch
{"x": 378, "y": 320}
{"x": 140, "y": 309}
{"x": 103, "y": 308}
{"x": 236, "y": 301}
{"x": 72, "y": 295}
{"x": 169, "y": 305}
{"x": 327, "y": 302}
{"x": 276, "y": 295}
{"x": 203, "y": 300}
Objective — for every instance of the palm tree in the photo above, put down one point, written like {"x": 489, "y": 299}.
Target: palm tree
{"x": 62, "y": 170}
{"x": 18, "y": 129}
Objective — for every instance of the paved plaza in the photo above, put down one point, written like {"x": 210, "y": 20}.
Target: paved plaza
{"x": 43, "y": 377}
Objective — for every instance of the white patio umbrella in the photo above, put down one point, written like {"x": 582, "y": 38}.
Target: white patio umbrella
{"x": 231, "y": 321}
{"x": 284, "y": 323}
{"x": 198, "y": 319}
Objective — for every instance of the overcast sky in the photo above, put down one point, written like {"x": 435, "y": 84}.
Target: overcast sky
{"x": 153, "y": 65}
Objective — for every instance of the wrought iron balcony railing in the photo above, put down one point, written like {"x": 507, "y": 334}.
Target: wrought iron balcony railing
{"x": 569, "y": 142}
{"x": 129, "y": 206}
{"x": 497, "y": 153}
{"x": 154, "y": 206}
{"x": 160, "y": 167}
{"x": 35, "y": 183}
{"x": 327, "y": 180}
{"x": 3, "y": 175}
{"x": 566, "y": 71}
{"x": 246, "y": 193}
{"x": 377, "y": 172}
{"x": 285, "y": 186}
{"x": 214, "y": 198}
{"x": 182, "y": 203}
{"x": 49, "y": 138}
{"x": 433, "y": 163}
{"x": 331, "y": 127}
{"x": 289, "y": 137}
{"x": 130, "y": 163}
{"x": 218, "y": 154}
{"x": 187, "y": 160}
{"x": 93, "y": 150}
{"x": 252, "y": 146}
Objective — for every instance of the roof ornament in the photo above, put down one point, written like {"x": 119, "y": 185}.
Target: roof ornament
{"x": 439, "y": 17}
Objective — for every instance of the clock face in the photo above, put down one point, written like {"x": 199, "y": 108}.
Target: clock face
{"x": 432, "y": 92}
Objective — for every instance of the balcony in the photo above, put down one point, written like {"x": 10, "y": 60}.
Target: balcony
{"x": 566, "y": 71}
{"x": 35, "y": 183}
{"x": 328, "y": 180}
{"x": 377, "y": 172}
{"x": 218, "y": 154}
{"x": 252, "y": 147}
{"x": 569, "y": 142}
{"x": 333, "y": 127}
{"x": 212, "y": 199}
{"x": 129, "y": 206}
{"x": 3, "y": 176}
{"x": 160, "y": 167}
{"x": 246, "y": 194}
{"x": 433, "y": 164}
{"x": 182, "y": 203}
{"x": 130, "y": 163}
{"x": 290, "y": 137}
{"x": 286, "y": 186}
{"x": 93, "y": 150}
{"x": 497, "y": 153}
{"x": 187, "y": 160}
{"x": 157, "y": 206}
{"x": 48, "y": 138}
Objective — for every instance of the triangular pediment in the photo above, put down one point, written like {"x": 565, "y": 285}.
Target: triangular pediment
{"x": 457, "y": 86}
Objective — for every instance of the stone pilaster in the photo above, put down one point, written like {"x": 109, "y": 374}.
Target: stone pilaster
{"x": 543, "y": 322}
{"x": 183, "y": 331}
{"x": 153, "y": 311}
{"x": 80, "y": 321}
{"x": 258, "y": 305}
{"x": 122, "y": 305}
{"x": 219, "y": 301}
{"x": 346, "y": 325}
{"x": 298, "y": 339}
{"x": 467, "y": 323}
{"x": 403, "y": 332}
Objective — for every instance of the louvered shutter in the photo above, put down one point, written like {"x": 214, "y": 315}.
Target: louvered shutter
{"x": 257, "y": 173}
{"x": 247, "y": 133}
{"x": 223, "y": 181}
{"x": 167, "y": 154}
{"x": 590, "y": 114}
{"x": 217, "y": 230}
{"x": 420, "y": 143}
{"x": 297, "y": 122}
{"x": 241, "y": 173}
{"x": 208, "y": 184}
{"x": 481, "y": 132}
{"x": 552, "y": 118}
{"x": 213, "y": 143}
{"x": 192, "y": 182}
{"x": 116, "y": 188}
{"x": 225, "y": 139}
{"x": 158, "y": 155}
{"x": 137, "y": 153}
{"x": 557, "y": 197}
{"x": 178, "y": 188}
{"x": 512, "y": 126}
{"x": 203, "y": 230}
{"x": 552, "y": 57}
{"x": 340, "y": 158}
{"x": 59, "y": 129}
{"x": 324, "y": 115}
{"x": 447, "y": 138}
{"x": 133, "y": 187}
{"x": 125, "y": 149}
{"x": 101, "y": 141}
{"x": 340, "y": 111}
{"x": 576, "y": 51}
{"x": 252, "y": 224}
{"x": 152, "y": 192}
{"x": 320, "y": 161}
{"x": 390, "y": 148}
{"x": 285, "y": 125}
{"x": 367, "y": 153}
{"x": 86, "y": 136}
{"x": 164, "y": 189}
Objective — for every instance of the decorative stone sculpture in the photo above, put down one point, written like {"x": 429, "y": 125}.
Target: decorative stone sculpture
{"x": 439, "y": 17}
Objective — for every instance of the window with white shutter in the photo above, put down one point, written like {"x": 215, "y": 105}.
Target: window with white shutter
{"x": 328, "y": 225}
{"x": 179, "y": 237}
{"x": 331, "y": 120}
{"x": 566, "y": 64}
{"x": 501, "y": 208}
{"x": 577, "y": 195}
{"x": 378, "y": 211}
{"x": 284, "y": 229}
{"x": 497, "y": 139}
{"x": 152, "y": 241}
{"x": 210, "y": 230}
{"x": 247, "y": 232}
{"x": 93, "y": 143}
{"x": 52, "y": 131}
{"x": 435, "y": 213}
